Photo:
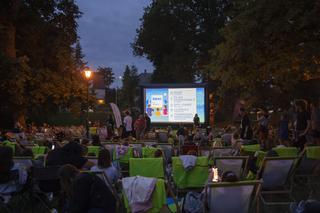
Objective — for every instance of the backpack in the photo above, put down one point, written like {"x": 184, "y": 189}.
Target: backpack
{"x": 101, "y": 196}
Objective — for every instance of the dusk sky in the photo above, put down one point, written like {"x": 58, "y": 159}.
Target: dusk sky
{"x": 106, "y": 29}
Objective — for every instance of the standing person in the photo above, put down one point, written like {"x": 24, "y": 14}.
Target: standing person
{"x": 139, "y": 127}
{"x": 196, "y": 121}
{"x": 263, "y": 122}
{"x": 315, "y": 123}
{"x": 148, "y": 123}
{"x": 181, "y": 133}
{"x": 303, "y": 125}
{"x": 245, "y": 125}
{"x": 284, "y": 130}
{"x": 127, "y": 122}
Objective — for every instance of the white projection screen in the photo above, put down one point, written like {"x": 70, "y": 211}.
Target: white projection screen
{"x": 174, "y": 105}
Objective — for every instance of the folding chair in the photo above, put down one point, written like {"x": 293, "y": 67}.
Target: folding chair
{"x": 148, "y": 152}
{"x": 205, "y": 151}
{"x": 163, "y": 137}
{"x": 194, "y": 179}
{"x": 249, "y": 149}
{"x": 159, "y": 198}
{"x": 222, "y": 151}
{"x": 224, "y": 197}
{"x": 167, "y": 150}
{"x": 26, "y": 162}
{"x": 147, "y": 167}
{"x": 109, "y": 184}
{"x": 93, "y": 150}
{"x": 236, "y": 164}
{"x": 137, "y": 147}
{"x": 276, "y": 175}
{"x": 306, "y": 177}
{"x": 123, "y": 161}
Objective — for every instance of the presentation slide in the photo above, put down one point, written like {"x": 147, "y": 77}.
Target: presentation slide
{"x": 174, "y": 105}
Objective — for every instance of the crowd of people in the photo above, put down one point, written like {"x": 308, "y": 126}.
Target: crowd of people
{"x": 68, "y": 148}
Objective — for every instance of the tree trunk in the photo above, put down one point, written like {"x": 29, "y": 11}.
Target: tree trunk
{"x": 8, "y": 45}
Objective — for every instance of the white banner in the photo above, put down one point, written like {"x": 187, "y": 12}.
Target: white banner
{"x": 117, "y": 114}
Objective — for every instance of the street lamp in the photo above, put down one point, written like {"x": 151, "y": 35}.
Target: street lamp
{"x": 120, "y": 78}
{"x": 87, "y": 74}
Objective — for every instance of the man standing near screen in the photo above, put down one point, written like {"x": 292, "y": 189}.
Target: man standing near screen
{"x": 127, "y": 121}
{"x": 196, "y": 120}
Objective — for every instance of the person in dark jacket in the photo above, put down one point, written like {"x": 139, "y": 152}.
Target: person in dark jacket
{"x": 85, "y": 192}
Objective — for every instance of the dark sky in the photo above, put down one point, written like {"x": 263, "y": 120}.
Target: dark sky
{"x": 106, "y": 29}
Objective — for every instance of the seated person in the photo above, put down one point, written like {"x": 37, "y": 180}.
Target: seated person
{"x": 229, "y": 176}
{"x": 85, "y": 192}
{"x": 12, "y": 175}
{"x": 105, "y": 165}
{"x": 71, "y": 153}
{"x": 227, "y": 136}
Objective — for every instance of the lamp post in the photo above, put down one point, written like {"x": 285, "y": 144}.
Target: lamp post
{"x": 120, "y": 78}
{"x": 87, "y": 74}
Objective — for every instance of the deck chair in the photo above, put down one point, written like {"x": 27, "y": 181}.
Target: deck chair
{"x": 148, "y": 152}
{"x": 93, "y": 150}
{"x": 224, "y": 197}
{"x": 306, "y": 176}
{"x": 93, "y": 159}
{"x": 205, "y": 151}
{"x": 222, "y": 151}
{"x": 26, "y": 162}
{"x": 159, "y": 198}
{"x": 163, "y": 137}
{"x": 249, "y": 149}
{"x": 137, "y": 147}
{"x": 149, "y": 143}
{"x": 147, "y": 167}
{"x": 193, "y": 179}
{"x": 287, "y": 151}
{"x": 167, "y": 150}
{"x": 276, "y": 175}
{"x": 123, "y": 161}
{"x": 236, "y": 164}
{"x": 109, "y": 184}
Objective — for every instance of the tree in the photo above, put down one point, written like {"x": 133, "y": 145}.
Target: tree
{"x": 176, "y": 36}
{"x": 38, "y": 64}
{"x": 108, "y": 78}
{"x": 107, "y": 74}
{"x": 129, "y": 90}
{"x": 269, "y": 47}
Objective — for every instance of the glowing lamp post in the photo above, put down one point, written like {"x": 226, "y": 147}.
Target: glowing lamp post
{"x": 87, "y": 74}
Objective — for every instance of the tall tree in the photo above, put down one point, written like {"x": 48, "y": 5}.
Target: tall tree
{"x": 129, "y": 90}
{"x": 269, "y": 47}
{"x": 38, "y": 65}
{"x": 108, "y": 78}
{"x": 176, "y": 36}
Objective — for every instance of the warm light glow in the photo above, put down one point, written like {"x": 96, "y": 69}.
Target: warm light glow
{"x": 88, "y": 74}
{"x": 215, "y": 176}
{"x": 100, "y": 101}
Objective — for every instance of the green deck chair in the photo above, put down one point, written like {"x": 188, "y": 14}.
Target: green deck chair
{"x": 159, "y": 198}
{"x": 250, "y": 149}
{"x": 195, "y": 178}
{"x": 124, "y": 159}
{"x": 94, "y": 149}
{"x": 148, "y": 152}
{"x": 147, "y": 167}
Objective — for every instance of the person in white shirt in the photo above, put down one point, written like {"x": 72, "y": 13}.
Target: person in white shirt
{"x": 127, "y": 121}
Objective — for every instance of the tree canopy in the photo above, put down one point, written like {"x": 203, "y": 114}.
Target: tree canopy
{"x": 130, "y": 90}
{"x": 175, "y": 35}
{"x": 269, "y": 47}
{"x": 40, "y": 66}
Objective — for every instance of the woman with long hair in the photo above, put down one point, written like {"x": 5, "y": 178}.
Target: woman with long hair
{"x": 105, "y": 165}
